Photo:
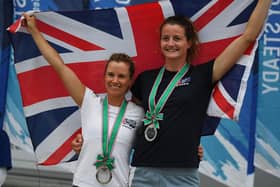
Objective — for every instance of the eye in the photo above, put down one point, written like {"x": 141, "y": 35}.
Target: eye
{"x": 123, "y": 76}
{"x": 177, "y": 38}
{"x": 165, "y": 38}
{"x": 110, "y": 74}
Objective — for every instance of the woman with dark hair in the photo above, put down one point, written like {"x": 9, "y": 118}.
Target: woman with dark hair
{"x": 175, "y": 98}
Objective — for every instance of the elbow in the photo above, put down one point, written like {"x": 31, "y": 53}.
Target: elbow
{"x": 251, "y": 35}
{"x": 249, "y": 38}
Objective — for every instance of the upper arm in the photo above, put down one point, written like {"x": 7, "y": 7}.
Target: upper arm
{"x": 226, "y": 60}
{"x": 72, "y": 83}
{"x": 70, "y": 80}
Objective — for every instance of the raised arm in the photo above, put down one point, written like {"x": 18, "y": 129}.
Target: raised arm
{"x": 70, "y": 80}
{"x": 234, "y": 51}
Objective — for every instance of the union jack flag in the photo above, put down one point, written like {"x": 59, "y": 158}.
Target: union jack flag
{"x": 85, "y": 39}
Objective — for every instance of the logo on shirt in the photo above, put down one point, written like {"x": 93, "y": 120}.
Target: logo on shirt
{"x": 184, "y": 81}
{"x": 129, "y": 123}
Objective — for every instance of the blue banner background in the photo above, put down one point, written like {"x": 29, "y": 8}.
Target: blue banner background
{"x": 268, "y": 129}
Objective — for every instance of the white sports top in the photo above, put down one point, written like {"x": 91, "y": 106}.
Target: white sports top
{"x": 91, "y": 116}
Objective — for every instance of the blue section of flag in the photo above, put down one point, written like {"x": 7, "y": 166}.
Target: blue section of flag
{"x": 244, "y": 15}
{"x": 247, "y": 120}
{"x": 233, "y": 79}
{"x": 26, "y": 38}
{"x": 179, "y": 7}
{"x": 41, "y": 125}
{"x": 107, "y": 16}
{"x": 210, "y": 125}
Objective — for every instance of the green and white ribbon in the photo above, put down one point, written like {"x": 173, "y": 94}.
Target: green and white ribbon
{"x": 104, "y": 161}
{"x": 153, "y": 115}
{"x": 105, "y": 158}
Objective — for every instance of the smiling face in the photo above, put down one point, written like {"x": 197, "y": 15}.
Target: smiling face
{"x": 117, "y": 79}
{"x": 173, "y": 43}
{"x": 178, "y": 35}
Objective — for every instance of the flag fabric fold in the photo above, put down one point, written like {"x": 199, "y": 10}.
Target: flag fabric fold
{"x": 18, "y": 23}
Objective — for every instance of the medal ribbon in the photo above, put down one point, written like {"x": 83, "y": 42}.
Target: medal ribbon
{"x": 153, "y": 115}
{"x": 105, "y": 159}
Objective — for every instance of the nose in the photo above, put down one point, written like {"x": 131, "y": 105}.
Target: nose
{"x": 115, "y": 79}
{"x": 170, "y": 42}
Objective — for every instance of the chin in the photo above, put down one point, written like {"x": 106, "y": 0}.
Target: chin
{"x": 171, "y": 55}
{"x": 115, "y": 94}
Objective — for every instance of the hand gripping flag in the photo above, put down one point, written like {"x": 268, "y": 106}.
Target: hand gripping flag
{"x": 85, "y": 39}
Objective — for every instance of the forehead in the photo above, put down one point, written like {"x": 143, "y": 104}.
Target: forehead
{"x": 173, "y": 28}
{"x": 118, "y": 66}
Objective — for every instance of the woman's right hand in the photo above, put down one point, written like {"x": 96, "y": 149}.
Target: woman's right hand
{"x": 29, "y": 22}
{"x": 77, "y": 143}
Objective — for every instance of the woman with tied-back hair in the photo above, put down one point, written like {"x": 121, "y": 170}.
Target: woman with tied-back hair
{"x": 175, "y": 98}
{"x": 104, "y": 156}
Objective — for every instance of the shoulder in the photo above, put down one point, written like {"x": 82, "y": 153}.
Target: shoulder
{"x": 89, "y": 91}
{"x": 90, "y": 97}
{"x": 204, "y": 66}
{"x": 135, "y": 109}
{"x": 145, "y": 76}
{"x": 204, "y": 69}
{"x": 149, "y": 72}
{"x": 203, "y": 72}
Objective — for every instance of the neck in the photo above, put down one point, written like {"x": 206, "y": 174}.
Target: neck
{"x": 115, "y": 101}
{"x": 173, "y": 65}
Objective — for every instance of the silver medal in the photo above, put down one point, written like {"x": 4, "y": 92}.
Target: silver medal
{"x": 103, "y": 175}
{"x": 150, "y": 133}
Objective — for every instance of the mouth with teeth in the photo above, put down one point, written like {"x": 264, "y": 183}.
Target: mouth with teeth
{"x": 171, "y": 49}
{"x": 115, "y": 85}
